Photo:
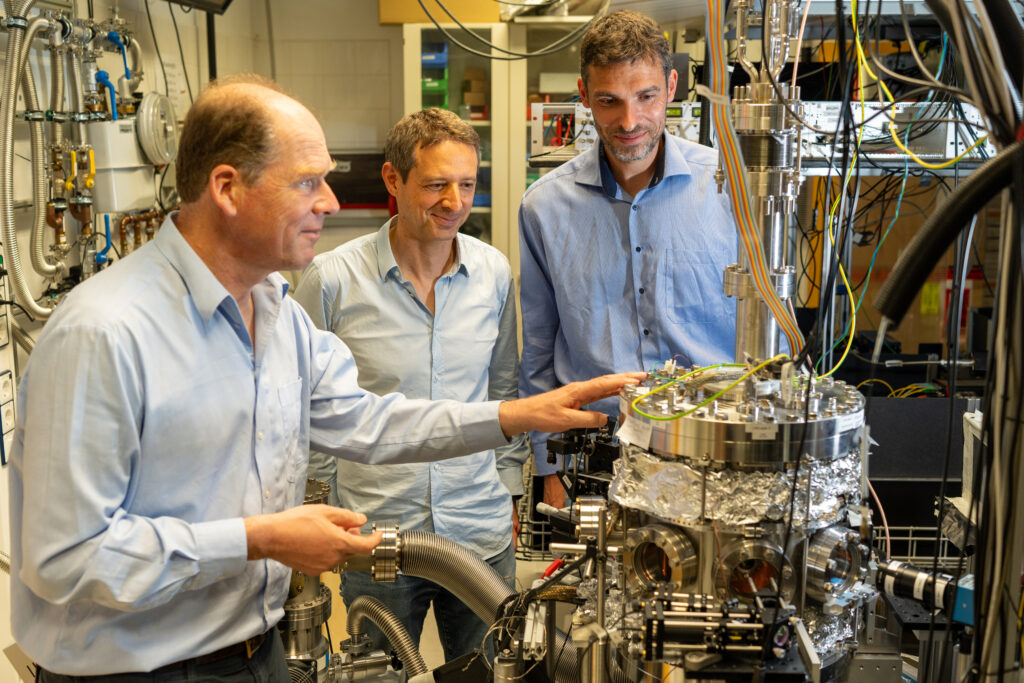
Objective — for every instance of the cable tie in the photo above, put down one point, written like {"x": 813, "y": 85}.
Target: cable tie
{"x": 712, "y": 96}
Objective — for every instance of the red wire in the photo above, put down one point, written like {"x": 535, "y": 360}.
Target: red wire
{"x": 553, "y": 567}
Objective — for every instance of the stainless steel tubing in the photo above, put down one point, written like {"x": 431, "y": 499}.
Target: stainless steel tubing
{"x": 40, "y": 183}
{"x": 18, "y": 41}
{"x": 135, "y": 51}
{"x": 77, "y": 98}
{"x": 365, "y": 607}
{"x": 57, "y": 65}
{"x": 470, "y": 579}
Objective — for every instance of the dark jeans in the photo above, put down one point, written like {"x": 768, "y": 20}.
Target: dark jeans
{"x": 459, "y": 630}
{"x": 266, "y": 666}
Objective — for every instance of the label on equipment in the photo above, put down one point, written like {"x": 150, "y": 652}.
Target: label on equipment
{"x": 635, "y": 432}
{"x": 762, "y": 431}
{"x": 890, "y": 579}
{"x": 919, "y": 582}
{"x": 849, "y": 421}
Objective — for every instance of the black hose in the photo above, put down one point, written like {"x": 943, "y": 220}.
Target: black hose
{"x": 941, "y": 228}
{"x": 1009, "y": 33}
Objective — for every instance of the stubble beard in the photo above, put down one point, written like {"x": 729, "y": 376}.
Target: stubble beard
{"x": 633, "y": 152}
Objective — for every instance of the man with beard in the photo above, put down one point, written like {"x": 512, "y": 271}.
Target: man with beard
{"x": 623, "y": 249}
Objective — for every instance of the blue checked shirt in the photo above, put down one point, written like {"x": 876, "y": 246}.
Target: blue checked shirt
{"x": 612, "y": 283}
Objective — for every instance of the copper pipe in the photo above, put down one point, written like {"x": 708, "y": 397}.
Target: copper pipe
{"x": 83, "y": 214}
{"x": 55, "y": 219}
{"x": 122, "y": 230}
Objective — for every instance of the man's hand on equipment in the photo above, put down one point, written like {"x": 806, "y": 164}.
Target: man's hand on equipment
{"x": 559, "y": 410}
{"x": 310, "y": 538}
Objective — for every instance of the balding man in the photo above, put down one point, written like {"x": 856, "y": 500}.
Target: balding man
{"x": 166, "y": 416}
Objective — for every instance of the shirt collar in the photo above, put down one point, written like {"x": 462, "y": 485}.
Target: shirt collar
{"x": 595, "y": 171}
{"x": 203, "y": 286}
{"x": 387, "y": 265}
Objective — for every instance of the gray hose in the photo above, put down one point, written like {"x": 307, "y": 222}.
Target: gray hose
{"x": 459, "y": 571}
{"x": 18, "y": 43}
{"x": 366, "y": 608}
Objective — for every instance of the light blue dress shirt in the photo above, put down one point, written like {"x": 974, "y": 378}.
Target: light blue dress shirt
{"x": 149, "y": 427}
{"x": 612, "y": 283}
{"x": 466, "y": 351}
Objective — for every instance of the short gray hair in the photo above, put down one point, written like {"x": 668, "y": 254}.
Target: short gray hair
{"x": 422, "y": 129}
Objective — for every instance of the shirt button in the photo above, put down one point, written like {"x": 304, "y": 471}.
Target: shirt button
{"x": 266, "y": 494}
{"x": 642, "y": 290}
{"x": 259, "y": 435}
{"x": 646, "y": 331}
{"x": 635, "y": 207}
{"x": 638, "y": 250}
{"x": 437, "y": 467}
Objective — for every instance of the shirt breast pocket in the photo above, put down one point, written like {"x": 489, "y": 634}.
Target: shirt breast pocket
{"x": 693, "y": 286}
{"x": 290, "y": 409}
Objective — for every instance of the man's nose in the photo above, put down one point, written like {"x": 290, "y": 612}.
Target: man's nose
{"x": 326, "y": 203}
{"x": 630, "y": 116}
{"x": 451, "y": 197}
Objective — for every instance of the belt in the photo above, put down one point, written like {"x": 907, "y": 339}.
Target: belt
{"x": 246, "y": 647}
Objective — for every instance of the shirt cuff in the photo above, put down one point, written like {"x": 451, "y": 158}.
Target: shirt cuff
{"x": 481, "y": 430}
{"x": 222, "y": 549}
{"x": 512, "y": 478}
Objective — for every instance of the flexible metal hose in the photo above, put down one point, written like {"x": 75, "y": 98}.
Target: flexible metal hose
{"x": 18, "y": 43}
{"x": 375, "y": 611}
{"x": 77, "y": 97}
{"x": 57, "y": 87}
{"x": 40, "y": 183}
{"x": 459, "y": 571}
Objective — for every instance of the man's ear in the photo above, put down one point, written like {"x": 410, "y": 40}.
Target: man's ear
{"x": 673, "y": 79}
{"x": 392, "y": 178}
{"x": 226, "y": 188}
{"x": 583, "y": 91}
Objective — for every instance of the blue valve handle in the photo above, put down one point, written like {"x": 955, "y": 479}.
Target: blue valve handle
{"x": 101, "y": 257}
{"x": 115, "y": 38}
{"x": 103, "y": 78}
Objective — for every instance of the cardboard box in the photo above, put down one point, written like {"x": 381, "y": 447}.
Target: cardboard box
{"x": 410, "y": 12}
{"x": 474, "y": 98}
{"x": 476, "y": 73}
{"x": 476, "y": 86}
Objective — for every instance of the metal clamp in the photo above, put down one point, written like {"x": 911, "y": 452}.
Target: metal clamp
{"x": 34, "y": 115}
{"x": 385, "y": 555}
{"x": 16, "y": 22}
{"x": 588, "y": 512}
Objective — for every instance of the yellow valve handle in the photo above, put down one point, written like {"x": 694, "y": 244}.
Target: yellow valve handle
{"x": 70, "y": 182}
{"x": 90, "y": 179}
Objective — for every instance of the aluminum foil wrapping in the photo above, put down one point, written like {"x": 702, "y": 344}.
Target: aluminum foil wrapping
{"x": 613, "y": 603}
{"x": 828, "y": 632}
{"x": 674, "y": 491}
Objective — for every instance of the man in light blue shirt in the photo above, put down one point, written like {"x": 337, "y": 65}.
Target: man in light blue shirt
{"x": 166, "y": 414}
{"x": 623, "y": 249}
{"x": 444, "y": 326}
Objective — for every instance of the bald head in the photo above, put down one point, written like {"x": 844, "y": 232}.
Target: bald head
{"x": 231, "y": 122}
